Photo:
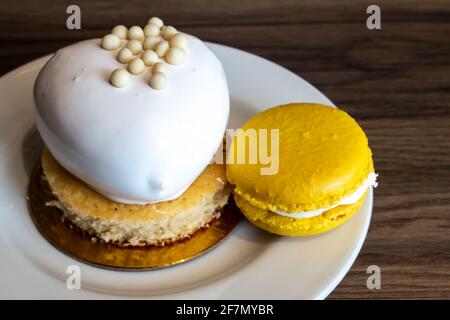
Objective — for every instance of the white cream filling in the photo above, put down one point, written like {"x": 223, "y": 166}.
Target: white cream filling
{"x": 351, "y": 199}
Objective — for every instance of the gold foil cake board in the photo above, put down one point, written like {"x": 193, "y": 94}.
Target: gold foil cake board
{"x": 71, "y": 241}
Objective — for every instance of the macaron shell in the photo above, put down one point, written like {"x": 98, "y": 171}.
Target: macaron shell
{"x": 286, "y": 226}
{"x": 323, "y": 157}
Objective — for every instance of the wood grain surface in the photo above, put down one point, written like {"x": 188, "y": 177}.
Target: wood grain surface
{"x": 394, "y": 81}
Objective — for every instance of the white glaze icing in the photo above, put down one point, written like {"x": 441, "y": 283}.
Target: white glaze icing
{"x": 351, "y": 199}
{"x": 133, "y": 144}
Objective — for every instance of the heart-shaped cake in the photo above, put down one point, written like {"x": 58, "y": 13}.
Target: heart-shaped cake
{"x": 138, "y": 136}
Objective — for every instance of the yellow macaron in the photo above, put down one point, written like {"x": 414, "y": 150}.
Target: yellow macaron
{"x": 323, "y": 163}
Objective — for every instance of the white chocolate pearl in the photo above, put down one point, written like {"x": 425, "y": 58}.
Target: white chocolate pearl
{"x": 179, "y": 40}
{"x": 121, "y": 31}
{"x": 151, "y": 42}
{"x": 157, "y": 21}
{"x": 159, "y": 67}
{"x": 169, "y": 32}
{"x": 125, "y": 55}
{"x": 149, "y": 57}
{"x": 110, "y": 42}
{"x": 162, "y": 48}
{"x": 175, "y": 56}
{"x": 135, "y": 46}
{"x": 158, "y": 81}
{"x": 136, "y": 66}
{"x": 151, "y": 30}
{"x": 136, "y": 33}
{"x": 119, "y": 78}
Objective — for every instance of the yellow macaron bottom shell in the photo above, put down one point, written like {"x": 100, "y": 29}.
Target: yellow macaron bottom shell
{"x": 285, "y": 226}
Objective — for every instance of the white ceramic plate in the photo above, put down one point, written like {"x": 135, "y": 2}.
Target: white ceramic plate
{"x": 250, "y": 264}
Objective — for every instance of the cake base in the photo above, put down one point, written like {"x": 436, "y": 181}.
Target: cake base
{"x": 70, "y": 240}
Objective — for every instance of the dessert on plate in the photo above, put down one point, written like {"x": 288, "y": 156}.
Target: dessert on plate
{"x": 130, "y": 123}
{"x": 325, "y": 170}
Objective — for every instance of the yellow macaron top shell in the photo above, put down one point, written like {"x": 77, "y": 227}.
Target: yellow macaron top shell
{"x": 323, "y": 157}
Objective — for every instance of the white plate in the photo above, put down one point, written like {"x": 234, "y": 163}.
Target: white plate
{"x": 250, "y": 264}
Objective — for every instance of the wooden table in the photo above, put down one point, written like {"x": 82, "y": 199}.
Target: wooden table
{"x": 394, "y": 81}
